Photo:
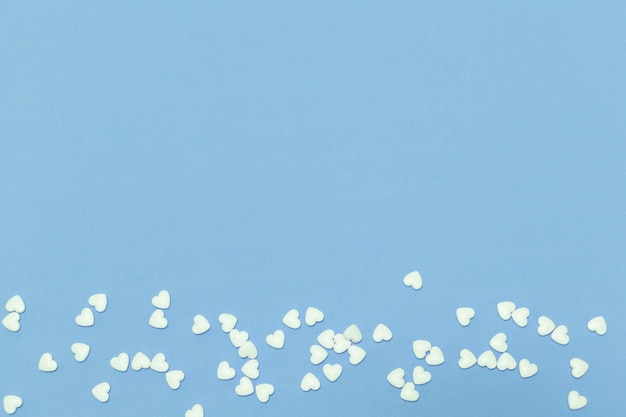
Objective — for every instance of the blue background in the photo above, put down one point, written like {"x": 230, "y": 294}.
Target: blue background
{"x": 253, "y": 157}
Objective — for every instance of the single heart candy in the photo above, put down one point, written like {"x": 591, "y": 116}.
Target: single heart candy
{"x": 12, "y": 403}
{"x": 276, "y": 339}
{"x": 228, "y": 322}
{"x": 248, "y": 350}
{"x": 332, "y": 372}
{"x": 560, "y": 336}
{"x": 435, "y": 356}
{"x": 579, "y": 367}
{"x": 162, "y": 300}
{"x": 421, "y": 348}
{"x": 575, "y": 401}
{"x": 487, "y": 359}
{"x": 12, "y": 322}
{"x": 467, "y": 359}
{"x": 225, "y": 372}
{"x": 498, "y": 342}
{"x": 98, "y": 302}
{"x": 505, "y": 309}
{"x": 101, "y": 392}
{"x": 196, "y": 411}
{"x": 409, "y": 393}
{"x": 506, "y": 362}
{"x": 381, "y": 333}
{"x": 353, "y": 333}
{"x": 200, "y": 324}
{"x": 413, "y": 280}
{"x": 264, "y": 391}
{"x": 245, "y": 387}
{"x": 545, "y": 326}
{"x": 173, "y": 378}
{"x": 85, "y": 318}
{"x": 318, "y": 354}
{"x": 251, "y": 369}
{"x": 158, "y": 320}
{"x": 396, "y": 377}
{"x": 140, "y": 361}
{"x": 464, "y": 315}
{"x": 527, "y": 369}
{"x": 326, "y": 338}
{"x": 312, "y": 316}
{"x": 341, "y": 344}
{"x": 291, "y": 319}
{"x": 159, "y": 363}
{"x": 597, "y": 325}
{"x": 15, "y": 304}
{"x": 421, "y": 376}
{"x": 120, "y": 362}
{"x": 47, "y": 363}
{"x": 309, "y": 383}
{"x": 80, "y": 351}
{"x": 520, "y": 316}
{"x": 357, "y": 354}
{"x": 238, "y": 337}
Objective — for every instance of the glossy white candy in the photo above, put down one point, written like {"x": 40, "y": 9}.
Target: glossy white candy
{"x": 98, "y": 302}
{"x": 313, "y": 316}
{"x": 85, "y": 318}
{"x": 575, "y": 401}
{"x": 413, "y": 280}
{"x": 196, "y": 411}
{"x": 560, "y": 336}
{"x": 200, "y": 324}
{"x": 396, "y": 377}
{"x": 545, "y": 326}
{"x": 11, "y": 403}
{"x": 228, "y": 322}
{"x": 382, "y": 333}
{"x": 174, "y": 378}
{"x": 332, "y": 372}
{"x": 527, "y": 369}
{"x": 158, "y": 320}
{"x": 597, "y": 325}
{"x": 12, "y": 322}
{"x": 225, "y": 372}
{"x": 409, "y": 393}
{"x": 162, "y": 300}
{"x": 47, "y": 363}
{"x": 467, "y": 359}
{"x": 579, "y": 367}
{"x": 101, "y": 392}
{"x": 498, "y": 342}
{"x": 80, "y": 351}
{"x": 291, "y": 319}
{"x": 309, "y": 383}
{"x": 464, "y": 315}
{"x": 505, "y": 309}
{"x": 15, "y": 304}
{"x": 276, "y": 339}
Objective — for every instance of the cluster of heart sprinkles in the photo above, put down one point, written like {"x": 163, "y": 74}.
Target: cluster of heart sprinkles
{"x": 327, "y": 341}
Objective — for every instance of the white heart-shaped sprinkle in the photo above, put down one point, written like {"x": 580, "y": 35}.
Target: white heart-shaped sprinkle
{"x": 120, "y": 362}
{"x": 560, "y": 336}
{"x": 173, "y": 378}
{"x": 47, "y": 363}
{"x": 162, "y": 300}
{"x": 228, "y": 322}
{"x": 409, "y": 393}
{"x": 575, "y": 401}
{"x": 467, "y": 359}
{"x": 312, "y": 316}
{"x": 381, "y": 333}
{"x": 520, "y": 316}
{"x": 85, "y": 318}
{"x": 98, "y": 302}
{"x": 200, "y": 324}
{"x": 487, "y": 359}
{"x": 464, "y": 315}
{"x": 225, "y": 372}
{"x": 158, "y": 320}
{"x": 545, "y": 326}
{"x": 159, "y": 363}
{"x": 353, "y": 333}
{"x": 579, "y": 367}
{"x": 248, "y": 350}
{"x": 506, "y": 362}
{"x": 318, "y": 354}
{"x": 101, "y": 392}
{"x": 435, "y": 356}
{"x": 357, "y": 354}
{"x": 251, "y": 369}
{"x": 597, "y": 325}
{"x": 326, "y": 338}
{"x": 341, "y": 344}
{"x": 421, "y": 348}
{"x": 238, "y": 337}
{"x": 421, "y": 376}
{"x": 396, "y": 377}
{"x": 291, "y": 319}
{"x": 309, "y": 383}
{"x": 196, "y": 411}
{"x": 505, "y": 309}
{"x": 527, "y": 369}
{"x": 332, "y": 372}
{"x": 15, "y": 304}
{"x": 245, "y": 387}
{"x": 140, "y": 361}
{"x": 80, "y": 351}
{"x": 413, "y": 280}
{"x": 276, "y": 339}
{"x": 12, "y": 403}
{"x": 498, "y": 343}
{"x": 264, "y": 391}
{"x": 11, "y": 322}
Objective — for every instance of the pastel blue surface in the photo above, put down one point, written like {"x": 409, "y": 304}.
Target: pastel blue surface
{"x": 253, "y": 157}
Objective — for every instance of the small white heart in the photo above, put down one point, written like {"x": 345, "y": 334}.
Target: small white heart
{"x": 158, "y": 320}
{"x": 545, "y": 326}
{"x": 498, "y": 343}
{"x": 340, "y": 343}
{"x": 140, "y": 361}
{"x": 326, "y": 338}
{"x": 575, "y": 401}
{"x": 85, "y": 318}
{"x": 120, "y": 362}
{"x": 291, "y": 319}
{"x": 15, "y": 304}
{"x": 318, "y": 354}
{"x": 101, "y": 392}
{"x": 276, "y": 339}
{"x": 505, "y": 309}
{"x": 264, "y": 391}
{"x": 159, "y": 363}
{"x": 245, "y": 387}
{"x": 196, "y": 411}
{"x": 80, "y": 351}
{"x": 98, "y": 302}
{"x": 200, "y": 324}
{"x": 225, "y": 372}
{"x": 560, "y": 336}
{"x": 467, "y": 359}
{"x": 12, "y": 322}
{"x": 435, "y": 356}
{"x": 579, "y": 367}
{"x": 409, "y": 393}
{"x": 173, "y": 378}
{"x": 47, "y": 363}
{"x": 520, "y": 316}
{"x": 381, "y": 333}
{"x": 421, "y": 376}
{"x": 332, "y": 372}
{"x": 353, "y": 333}
{"x": 357, "y": 354}
{"x": 413, "y": 280}
{"x": 251, "y": 369}
{"x": 162, "y": 300}
{"x": 248, "y": 350}
{"x": 487, "y": 359}
{"x": 421, "y": 348}
{"x": 12, "y": 403}
{"x": 309, "y": 383}
{"x": 527, "y": 369}
{"x": 396, "y": 377}
{"x": 506, "y": 362}
{"x": 228, "y": 322}
{"x": 312, "y": 316}
{"x": 597, "y": 325}
{"x": 464, "y": 315}
{"x": 238, "y": 337}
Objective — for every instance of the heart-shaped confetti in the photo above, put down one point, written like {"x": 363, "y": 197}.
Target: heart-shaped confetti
{"x": 421, "y": 376}
{"x": 140, "y": 361}
{"x": 435, "y": 356}
{"x": 487, "y": 359}
{"x": 228, "y": 322}
{"x": 98, "y": 302}
{"x": 47, "y": 363}
{"x": 80, "y": 351}
{"x": 340, "y": 343}
{"x": 332, "y": 372}
{"x": 575, "y": 401}
{"x": 158, "y": 320}
{"x": 276, "y": 339}
{"x": 409, "y": 393}
{"x": 251, "y": 369}
{"x": 162, "y": 300}
{"x": 11, "y": 403}
{"x": 396, "y": 377}
{"x": 85, "y": 318}
{"x": 200, "y": 324}
{"x": 12, "y": 322}
{"x": 196, "y": 411}
{"x": 15, "y": 304}
{"x": 225, "y": 372}
{"x": 413, "y": 280}
{"x": 381, "y": 333}
{"x": 238, "y": 337}
{"x": 101, "y": 392}
{"x": 318, "y": 354}
{"x": 313, "y": 316}
{"x": 579, "y": 367}
{"x": 120, "y": 362}
{"x": 527, "y": 369}
{"x": 597, "y": 325}
{"x": 291, "y": 319}
{"x": 505, "y": 309}
{"x": 353, "y": 333}
{"x": 264, "y": 391}
{"x": 159, "y": 363}
{"x": 498, "y": 343}
{"x": 326, "y": 338}
{"x": 309, "y": 383}
{"x": 560, "y": 336}
{"x": 545, "y": 326}
{"x": 357, "y": 354}
{"x": 506, "y": 362}
{"x": 174, "y": 378}
{"x": 464, "y": 315}
{"x": 247, "y": 350}
{"x": 421, "y": 348}
{"x": 245, "y": 387}
{"x": 467, "y": 359}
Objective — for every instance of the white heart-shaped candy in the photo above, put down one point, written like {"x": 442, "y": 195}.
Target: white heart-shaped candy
{"x": 276, "y": 339}
{"x": 505, "y": 309}
{"x": 467, "y": 359}
{"x": 264, "y": 391}
{"x": 173, "y": 378}
{"x": 245, "y": 387}
{"x": 435, "y": 356}
{"x": 101, "y": 392}
{"x": 251, "y": 369}
{"x": 158, "y": 320}
{"x": 545, "y": 326}
{"x": 196, "y": 411}
{"x": 421, "y": 348}
{"x": 341, "y": 344}
{"x": 464, "y": 315}
{"x": 12, "y": 322}
{"x": 506, "y": 362}
{"x": 98, "y": 302}
{"x": 85, "y": 318}
{"x": 326, "y": 338}
{"x": 238, "y": 337}
{"x": 120, "y": 362}
{"x": 579, "y": 367}
{"x": 396, "y": 377}
{"x": 228, "y": 322}
{"x": 12, "y": 403}
{"x": 312, "y": 316}
{"x": 200, "y": 324}
{"x": 225, "y": 372}
{"x": 47, "y": 363}
{"x": 80, "y": 351}
{"x": 381, "y": 333}
{"x": 309, "y": 382}
{"x": 162, "y": 300}
{"x": 332, "y": 372}
{"x": 560, "y": 336}
{"x": 318, "y": 354}
{"x": 15, "y": 304}
{"x": 520, "y": 316}
{"x": 597, "y": 325}
{"x": 498, "y": 343}
{"x": 413, "y": 280}
{"x": 357, "y": 354}
{"x": 409, "y": 393}
{"x": 421, "y": 376}
{"x": 487, "y": 359}
{"x": 140, "y": 361}
{"x": 353, "y": 333}
{"x": 159, "y": 363}
{"x": 291, "y": 319}
{"x": 575, "y": 401}
{"x": 248, "y": 350}
{"x": 527, "y": 369}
